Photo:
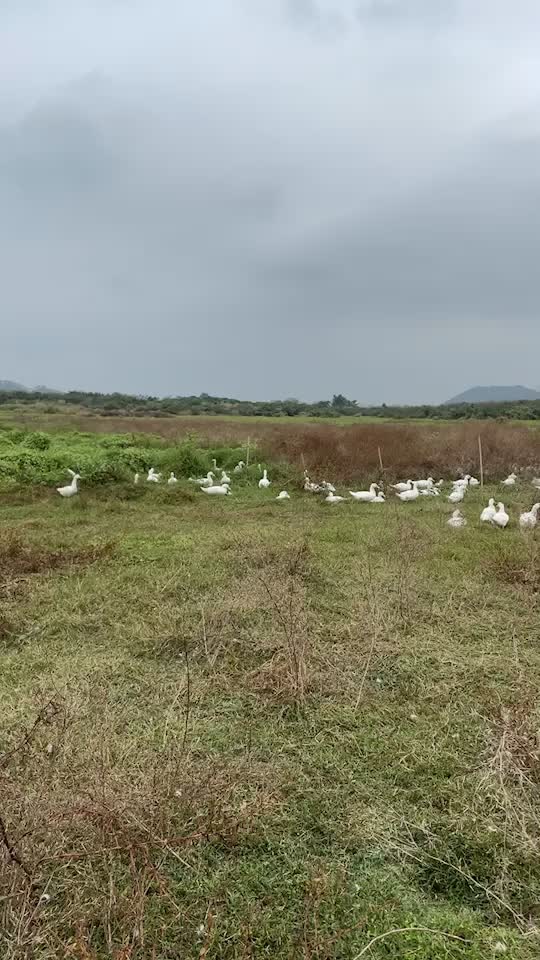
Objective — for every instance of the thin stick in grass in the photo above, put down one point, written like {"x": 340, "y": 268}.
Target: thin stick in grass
{"x": 481, "y": 460}
{"x": 391, "y": 933}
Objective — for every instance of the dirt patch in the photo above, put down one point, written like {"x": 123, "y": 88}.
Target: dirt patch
{"x": 519, "y": 567}
{"x": 19, "y": 558}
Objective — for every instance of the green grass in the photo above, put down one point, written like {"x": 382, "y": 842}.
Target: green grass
{"x": 236, "y": 728}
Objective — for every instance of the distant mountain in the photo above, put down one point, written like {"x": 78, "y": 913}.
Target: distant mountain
{"x": 10, "y": 386}
{"x": 495, "y": 395}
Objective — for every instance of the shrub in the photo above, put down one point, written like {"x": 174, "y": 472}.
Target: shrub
{"x": 37, "y": 441}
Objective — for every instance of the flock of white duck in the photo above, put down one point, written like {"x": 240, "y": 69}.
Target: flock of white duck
{"x": 407, "y": 491}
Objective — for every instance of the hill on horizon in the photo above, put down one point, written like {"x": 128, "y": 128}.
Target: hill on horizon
{"x": 11, "y": 386}
{"x": 495, "y": 394}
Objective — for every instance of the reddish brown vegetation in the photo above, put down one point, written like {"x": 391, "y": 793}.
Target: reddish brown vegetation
{"x": 345, "y": 453}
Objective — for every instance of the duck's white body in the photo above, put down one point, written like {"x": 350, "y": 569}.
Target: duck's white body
{"x": 457, "y": 520}
{"x": 401, "y": 487}
{"x": 153, "y": 477}
{"x": 219, "y": 490}
{"x": 71, "y": 489}
{"x": 365, "y": 496}
{"x": 425, "y": 484}
{"x": 528, "y": 521}
{"x": 457, "y": 495}
{"x": 510, "y": 480}
{"x": 283, "y": 495}
{"x": 136, "y": 479}
{"x": 224, "y": 477}
{"x": 379, "y": 498}
{"x": 332, "y": 498}
{"x": 207, "y": 481}
{"x": 474, "y": 482}
{"x": 264, "y": 482}
{"x": 172, "y": 480}
{"x": 500, "y": 517}
{"x": 488, "y": 512}
{"x": 407, "y": 495}
{"x": 462, "y": 483}
{"x": 239, "y": 467}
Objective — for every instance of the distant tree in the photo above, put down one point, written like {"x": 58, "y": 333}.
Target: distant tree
{"x": 339, "y": 402}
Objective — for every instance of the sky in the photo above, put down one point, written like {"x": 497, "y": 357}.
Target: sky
{"x": 270, "y": 198}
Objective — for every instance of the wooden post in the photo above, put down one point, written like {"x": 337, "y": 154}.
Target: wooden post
{"x": 380, "y": 459}
{"x": 481, "y": 461}
{"x": 247, "y": 454}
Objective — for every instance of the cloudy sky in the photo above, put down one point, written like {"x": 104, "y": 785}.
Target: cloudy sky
{"x": 270, "y": 198}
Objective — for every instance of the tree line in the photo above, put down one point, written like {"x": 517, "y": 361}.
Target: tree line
{"x": 122, "y": 404}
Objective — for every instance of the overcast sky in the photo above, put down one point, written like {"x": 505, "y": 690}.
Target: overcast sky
{"x": 270, "y": 198}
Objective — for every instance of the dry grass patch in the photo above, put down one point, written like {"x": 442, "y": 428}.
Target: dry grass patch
{"x": 19, "y": 558}
{"x": 96, "y": 829}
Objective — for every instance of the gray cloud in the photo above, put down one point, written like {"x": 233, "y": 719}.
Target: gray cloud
{"x": 270, "y": 198}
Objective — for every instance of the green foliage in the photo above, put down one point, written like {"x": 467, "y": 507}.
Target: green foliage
{"x": 37, "y": 441}
{"x": 39, "y": 458}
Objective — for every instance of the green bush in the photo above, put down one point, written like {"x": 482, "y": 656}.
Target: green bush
{"x": 28, "y": 457}
{"x": 37, "y": 441}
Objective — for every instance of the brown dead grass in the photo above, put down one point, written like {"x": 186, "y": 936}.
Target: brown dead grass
{"x": 519, "y": 567}
{"x": 19, "y": 558}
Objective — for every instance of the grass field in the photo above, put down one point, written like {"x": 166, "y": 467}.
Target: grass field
{"x": 236, "y": 728}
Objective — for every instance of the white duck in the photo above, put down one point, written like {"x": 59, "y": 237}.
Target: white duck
{"x": 528, "y": 521}
{"x": 462, "y": 483}
{"x": 264, "y": 482}
{"x": 153, "y": 477}
{"x": 457, "y": 495}
{"x": 172, "y": 479}
{"x": 407, "y": 495}
{"x": 283, "y": 495}
{"x": 510, "y": 480}
{"x": 474, "y": 482}
{"x": 206, "y": 481}
{"x": 71, "y": 489}
{"x": 401, "y": 487}
{"x": 329, "y": 487}
{"x": 136, "y": 479}
{"x": 379, "y": 498}
{"x": 365, "y": 496}
{"x": 457, "y": 520}
{"x": 425, "y": 484}
{"x": 224, "y": 477}
{"x": 439, "y": 484}
{"x": 488, "y": 512}
{"x": 239, "y": 466}
{"x": 500, "y": 517}
{"x": 219, "y": 490}
{"x": 333, "y": 498}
